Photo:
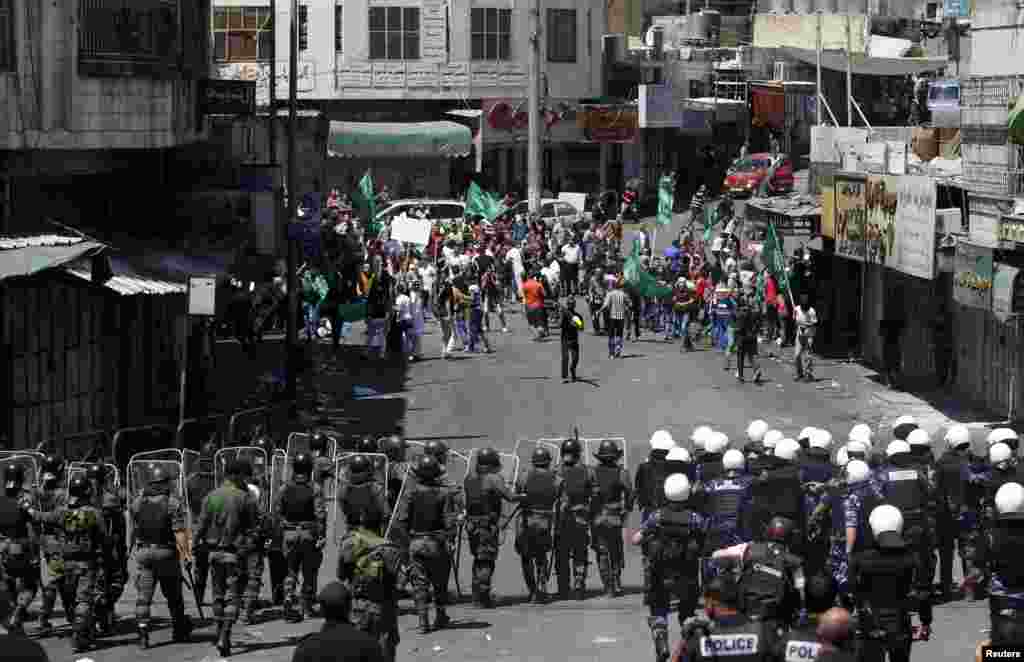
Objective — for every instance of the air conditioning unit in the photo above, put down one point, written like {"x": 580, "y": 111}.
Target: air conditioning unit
{"x": 779, "y": 72}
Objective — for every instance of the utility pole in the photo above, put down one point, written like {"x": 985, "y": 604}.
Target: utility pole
{"x": 533, "y": 177}
{"x": 819, "y": 93}
{"x": 279, "y": 226}
{"x": 291, "y": 342}
{"x": 849, "y": 73}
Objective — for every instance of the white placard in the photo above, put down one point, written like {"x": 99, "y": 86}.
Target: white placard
{"x": 411, "y": 230}
{"x": 202, "y": 295}
{"x": 390, "y": 74}
{"x": 420, "y": 74}
{"x": 455, "y": 75}
{"x": 914, "y": 249}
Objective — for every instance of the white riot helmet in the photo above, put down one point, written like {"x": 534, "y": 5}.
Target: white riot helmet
{"x": 756, "y": 430}
{"x": 254, "y": 491}
{"x": 716, "y": 443}
{"x": 677, "y": 488}
{"x": 806, "y": 433}
{"x": 902, "y": 426}
{"x": 662, "y": 441}
{"x": 861, "y": 432}
{"x": 999, "y": 453}
{"x": 841, "y": 457}
{"x": 857, "y": 471}
{"x": 700, "y": 436}
{"x": 855, "y": 448}
{"x": 919, "y": 437}
{"x": 733, "y": 460}
{"x": 679, "y": 454}
{"x": 1001, "y": 435}
{"x": 1010, "y": 501}
{"x": 886, "y": 524}
{"x": 788, "y": 450}
{"x": 771, "y": 439}
{"x": 821, "y": 439}
{"x": 896, "y": 447}
{"x": 958, "y": 436}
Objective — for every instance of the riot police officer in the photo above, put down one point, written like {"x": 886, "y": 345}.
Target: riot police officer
{"x": 710, "y": 466}
{"x": 906, "y": 486}
{"x": 159, "y": 537}
{"x": 427, "y": 515}
{"x": 262, "y": 536}
{"x": 778, "y": 491}
{"x": 611, "y": 503}
{"x": 394, "y": 448}
{"x": 804, "y": 439}
{"x": 729, "y": 632}
{"x": 114, "y": 570}
{"x": 228, "y": 515}
{"x": 754, "y": 449}
{"x": 437, "y": 450}
{"x": 816, "y": 471}
{"x": 849, "y": 505}
{"x": 680, "y": 461}
{"x": 375, "y": 571}
{"x": 362, "y": 498}
{"x": 815, "y": 463}
{"x": 573, "y": 525}
{"x": 303, "y": 517}
{"x": 672, "y": 537}
{"x": 198, "y": 484}
{"x": 959, "y": 510}
{"x": 801, "y": 643}
{"x": 50, "y": 496}
{"x": 726, "y": 500}
{"x": 19, "y": 555}
{"x": 541, "y": 489}
{"x": 698, "y": 438}
{"x": 651, "y": 474}
{"x": 485, "y": 493}
{"x": 887, "y": 585}
{"x": 1006, "y": 545}
{"x": 83, "y": 533}
{"x": 903, "y": 426}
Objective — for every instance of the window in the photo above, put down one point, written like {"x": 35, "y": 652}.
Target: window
{"x": 339, "y": 31}
{"x": 303, "y": 28}
{"x": 7, "y": 51}
{"x": 491, "y": 33}
{"x": 242, "y": 34}
{"x": 394, "y": 33}
{"x": 561, "y": 35}
{"x": 126, "y": 38}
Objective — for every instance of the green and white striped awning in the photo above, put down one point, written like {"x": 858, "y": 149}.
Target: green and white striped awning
{"x": 399, "y": 139}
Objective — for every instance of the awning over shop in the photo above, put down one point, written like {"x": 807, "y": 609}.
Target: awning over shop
{"x": 870, "y": 66}
{"x": 127, "y": 280}
{"x": 399, "y": 139}
{"x": 28, "y": 256}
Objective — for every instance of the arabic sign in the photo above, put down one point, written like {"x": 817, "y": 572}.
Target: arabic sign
{"x": 801, "y": 31}
{"x": 972, "y": 275}
{"x": 880, "y": 200}
{"x": 914, "y": 248}
{"x": 227, "y": 97}
{"x": 609, "y": 124}
{"x": 851, "y": 217}
{"x": 1003, "y": 291}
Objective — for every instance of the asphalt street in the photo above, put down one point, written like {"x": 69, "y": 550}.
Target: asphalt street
{"x": 516, "y": 394}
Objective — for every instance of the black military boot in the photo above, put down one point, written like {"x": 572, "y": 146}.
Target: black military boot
{"x": 617, "y": 582}
{"x": 529, "y": 576}
{"x": 143, "y": 629}
{"x": 291, "y": 613}
{"x": 442, "y": 620}
{"x": 579, "y": 584}
{"x": 424, "y": 613}
{"x": 605, "y": 571}
{"x": 540, "y": 595}
{"x": 224, "y": 640}
{"x": 182, "y": 629}
{"x": 659, "y": 632}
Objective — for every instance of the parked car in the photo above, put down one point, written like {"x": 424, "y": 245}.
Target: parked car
{"x": 552, "y": 211}
{"x": 746, "y": 176}
{"x": 438, "y": 210}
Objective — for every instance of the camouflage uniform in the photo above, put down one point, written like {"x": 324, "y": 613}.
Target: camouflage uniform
{"x": 611, "y": 502}
{"x": 303, "y": 518}
{"x": 541, "y": 489}
{"x": 485, "y": 494}
{"x": 19, "y": 554}
{"x": 114, "y": 571}
{"x": 50, "y": 499}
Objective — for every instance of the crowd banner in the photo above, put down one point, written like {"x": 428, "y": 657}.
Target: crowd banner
{"x": 851, "y": 217}
{"x": 1002, "y": 291}
{"x": 972, "y": 275}
{"x": 880, "y": 199}
{"x": 411, "y": 230}
{"x": 914, "y": 249}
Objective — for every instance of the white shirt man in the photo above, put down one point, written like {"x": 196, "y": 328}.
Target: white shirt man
{"x": 403, "y": 307}
{"x": 806, "y": 318}
{"x": 428, "y": 275}
{"x": 571, "y": 253}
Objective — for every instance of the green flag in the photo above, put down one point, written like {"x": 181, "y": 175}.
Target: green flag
{"x": 710, "y": 218}
{"x": 482, "y": 203}
{"x": 775, "y": 259}
{"x": 666, "y": 200}
{"x": 644, "y": 283}
{"x": 364, "y": 203}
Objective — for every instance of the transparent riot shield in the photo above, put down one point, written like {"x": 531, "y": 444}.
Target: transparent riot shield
{"x": 592, "y": 444}
{"x": 278, "y": 474}
{"x": 258, "y": 460}
{"x": 39, "y": 457}
{"x": 524, "y": 449}
{"x": 301, "y": 442}
{"x": 199, "y": 482}
{"x": 382, "y": 469}
{"x": 29, "y": 465}
{"x": 112, "y": 478}
{"x": 457, "y": 466}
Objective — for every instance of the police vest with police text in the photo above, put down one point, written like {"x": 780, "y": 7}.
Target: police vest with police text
{"x": 903, "y": 489}
{"x": 744, "y": 642}
{"x": 801, "y": 646}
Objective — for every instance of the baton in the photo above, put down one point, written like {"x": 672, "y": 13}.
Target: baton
{"x": 190, "y": 582}
{"x": 457, "y": 556}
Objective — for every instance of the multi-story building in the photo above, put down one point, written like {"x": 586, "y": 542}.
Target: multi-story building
{"x": 93, "y": 96}
{"x": 401, "y": 61}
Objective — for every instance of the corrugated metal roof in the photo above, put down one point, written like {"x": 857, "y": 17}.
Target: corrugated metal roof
{"x": 127, "y": 281}
{"x": 35, "y": 241}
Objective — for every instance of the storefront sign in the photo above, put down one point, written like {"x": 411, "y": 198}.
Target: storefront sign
{"x": 228, "y": 97}
{"x": 1003, "y": 291}
{"x": 851, "y": 217}
{"x": 659, "y": 109}
{"x": 881, "y": 199}
{"x": 789, "y": 31}
{"x": 609, "y": 124}
{"x": 914, "y": 248}
{"x": 972, "y": 275}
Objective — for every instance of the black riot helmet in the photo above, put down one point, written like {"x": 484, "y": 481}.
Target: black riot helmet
{"x": 159, "y": 476}
{"x": 302, "y": 464}
{"x": 780, "y": 530}
{"x": 80, "y": 487}
{"x": 360, "y": 465}
{"x": 53, "y": 464}
{"x": 14, "y": 476}
{"x": 239, "y": 468}
{"x": 488, "y": 460}
{"x": 437, "y": 450}
{"x": 265, "y": 443}
{"x": 541, "y": 457}
{"x": 318, "y": 444}
{"x": 608, "y": 452}
{"x": 428, "y": 468}
{"x": 571, "y": 448}
{"x": 209, "y": 449}
{"x": 97, "y": 472}
{"x": 367, "y": 445}
{"x": 394, "y": 447}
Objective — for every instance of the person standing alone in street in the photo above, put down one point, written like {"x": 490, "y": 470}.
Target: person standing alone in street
{"x": 746, "y": 340}
{"x": 572, "y": 324}
{"x": 806, "y": 319}
{"x": 615, "y": 303}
